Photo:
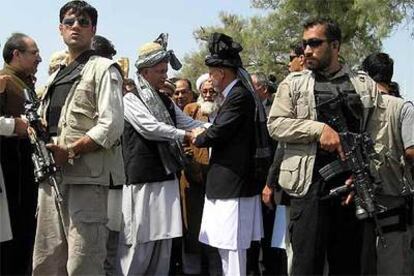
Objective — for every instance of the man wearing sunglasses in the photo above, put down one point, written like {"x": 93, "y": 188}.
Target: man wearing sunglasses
{"x": 319, "y": 229}
{"x": 83, "y": 110}
{"x": 296, "y": 58}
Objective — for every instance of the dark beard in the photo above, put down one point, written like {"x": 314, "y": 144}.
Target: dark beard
{"x": 320, "y": 65}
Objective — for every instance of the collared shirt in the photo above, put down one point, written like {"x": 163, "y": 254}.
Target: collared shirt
{"x": 225, "y": 93}
{"x": 228, "y": 88}
{"x": 137, "y": 114}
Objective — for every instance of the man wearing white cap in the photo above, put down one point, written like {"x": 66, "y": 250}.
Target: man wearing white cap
{"x": 154, "y": 130}
{"x": 192, "y": 184}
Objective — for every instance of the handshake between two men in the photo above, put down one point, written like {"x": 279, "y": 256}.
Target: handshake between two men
{"x": 191, "y": 136}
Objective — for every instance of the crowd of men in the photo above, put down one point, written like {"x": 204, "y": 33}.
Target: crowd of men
{"x": 158, "y": 178}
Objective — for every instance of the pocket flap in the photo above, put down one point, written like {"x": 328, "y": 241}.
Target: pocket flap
{"x": 84, "y": 111}
{"x": 291, "y": 163}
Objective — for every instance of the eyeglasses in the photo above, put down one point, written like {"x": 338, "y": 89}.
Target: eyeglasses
{"x": 82, "y": 21}
{"x": 291, "y": 58}
{"x": 313, "y": 42}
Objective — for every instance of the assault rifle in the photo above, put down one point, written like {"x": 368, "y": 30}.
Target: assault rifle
{"x": 43, "y": 162}
{"x": 359, "y": 150}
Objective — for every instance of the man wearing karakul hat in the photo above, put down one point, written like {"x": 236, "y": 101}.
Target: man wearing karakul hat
{"x": 154, "y": 130}
{"x": 232, "y": 211}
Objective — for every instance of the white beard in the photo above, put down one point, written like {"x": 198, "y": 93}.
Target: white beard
{"x": 208, "y": 108}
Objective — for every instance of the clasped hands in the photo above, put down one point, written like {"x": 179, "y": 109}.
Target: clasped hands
{"x": 191, "y": 136}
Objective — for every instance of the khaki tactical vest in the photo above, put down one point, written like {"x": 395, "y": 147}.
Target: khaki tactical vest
{"x": 296, "y": 168}
{"x": 390, "y": 164}
{"x": 78, "y": 116}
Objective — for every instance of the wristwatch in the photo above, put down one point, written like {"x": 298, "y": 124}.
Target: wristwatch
{"x": 71, "y": 153}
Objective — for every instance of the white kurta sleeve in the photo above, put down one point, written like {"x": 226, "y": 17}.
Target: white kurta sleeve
{"x": 146, "y": 124}
{"x": 186, "y": 122}
{"x": 6, "y": 126}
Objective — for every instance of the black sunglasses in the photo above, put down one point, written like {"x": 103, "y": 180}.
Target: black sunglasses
{"x": 82, "y": 21}
{"x": 313, "y": 42}
{"x": 291, "y": 58}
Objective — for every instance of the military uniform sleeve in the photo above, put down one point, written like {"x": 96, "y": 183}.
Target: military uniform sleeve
{"x": 283, "y": 123}
{"x": 110, "y": 110}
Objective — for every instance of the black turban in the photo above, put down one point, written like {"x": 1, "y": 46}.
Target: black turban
{"x": 224, "y": 52}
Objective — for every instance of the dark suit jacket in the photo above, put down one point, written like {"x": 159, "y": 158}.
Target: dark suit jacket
{"x": 231, "y": 137}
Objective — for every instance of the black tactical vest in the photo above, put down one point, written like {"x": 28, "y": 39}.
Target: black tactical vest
{"x": 332, "y": 97}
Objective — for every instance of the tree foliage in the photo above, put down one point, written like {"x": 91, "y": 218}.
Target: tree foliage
{"x": 267, "y": 39}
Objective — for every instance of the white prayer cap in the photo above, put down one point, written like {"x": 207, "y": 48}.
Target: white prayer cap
{"x": 201, "y": 80}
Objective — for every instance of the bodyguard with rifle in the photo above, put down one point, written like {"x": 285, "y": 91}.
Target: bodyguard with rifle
{"x": 359, "y": 152}
{"x": 323, "y": 230}
{"x": 82, "y": 107}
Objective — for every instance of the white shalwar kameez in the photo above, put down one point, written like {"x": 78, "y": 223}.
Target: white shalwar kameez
{"x": 231, "y": 225}
{"x": 151, "y": 211}
{"x": 6, "y": 128}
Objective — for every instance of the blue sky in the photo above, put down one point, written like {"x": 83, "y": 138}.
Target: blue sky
{"x": 130, "y": 24}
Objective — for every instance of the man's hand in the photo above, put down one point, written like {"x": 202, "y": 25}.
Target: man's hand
{"x": 195, "y": 132}
{"x": 188, "y": 151}
{"x": 409, "y": 154}
{"x": 350, "y": 197}
{"x": 60, "y": 154}
{"x": 330, "y": 141}
{"x": 20, "y": 127}
{"x": 188, "y": 137}
{"x": 267, "y": 197}
{"x": 3, "y": 82}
